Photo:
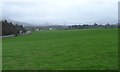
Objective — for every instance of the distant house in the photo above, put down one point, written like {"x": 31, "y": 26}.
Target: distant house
{"x": 20, "y": 32}
{"x": 37, "y": 30}
{"x": 50, "y": 28}
{"x": 28, "y": 32}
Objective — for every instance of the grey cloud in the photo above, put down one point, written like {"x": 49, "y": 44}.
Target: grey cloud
{"x": 60, "y": 11}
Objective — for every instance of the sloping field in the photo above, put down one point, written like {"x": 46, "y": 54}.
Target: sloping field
{"x": 94, "y": 49}
{"x": 0, "y": 54}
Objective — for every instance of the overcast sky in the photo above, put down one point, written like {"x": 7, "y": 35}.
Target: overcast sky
{"x": 60, "y": 11}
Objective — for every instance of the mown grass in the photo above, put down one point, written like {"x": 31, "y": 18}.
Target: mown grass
{"x": 0, "y": 54}
{"x": 94, "y": 49}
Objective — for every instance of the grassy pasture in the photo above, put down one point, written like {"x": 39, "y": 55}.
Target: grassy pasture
{"x": 0, "y": 54}
{"x": 94, "y": 49}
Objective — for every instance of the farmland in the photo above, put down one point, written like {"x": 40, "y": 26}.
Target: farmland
{"x": 0, "y": 54}
{"x": 88, "y": 49}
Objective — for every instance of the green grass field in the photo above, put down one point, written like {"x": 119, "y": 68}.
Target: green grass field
{"x": 94, "y": 49}
{"x": 0, "y": 54}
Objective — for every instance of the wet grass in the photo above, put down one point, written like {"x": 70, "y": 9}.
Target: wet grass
{"x": 94, "y": 49}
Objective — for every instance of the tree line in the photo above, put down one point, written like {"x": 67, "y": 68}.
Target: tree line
{"x": 8, "y": 28}
{"x": 95, "y": 25}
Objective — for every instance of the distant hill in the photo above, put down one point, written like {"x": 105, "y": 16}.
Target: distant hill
{"x": 105, "y": 21}
{"x": 18, "y": 22}
{"x": 101, "y": 21}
